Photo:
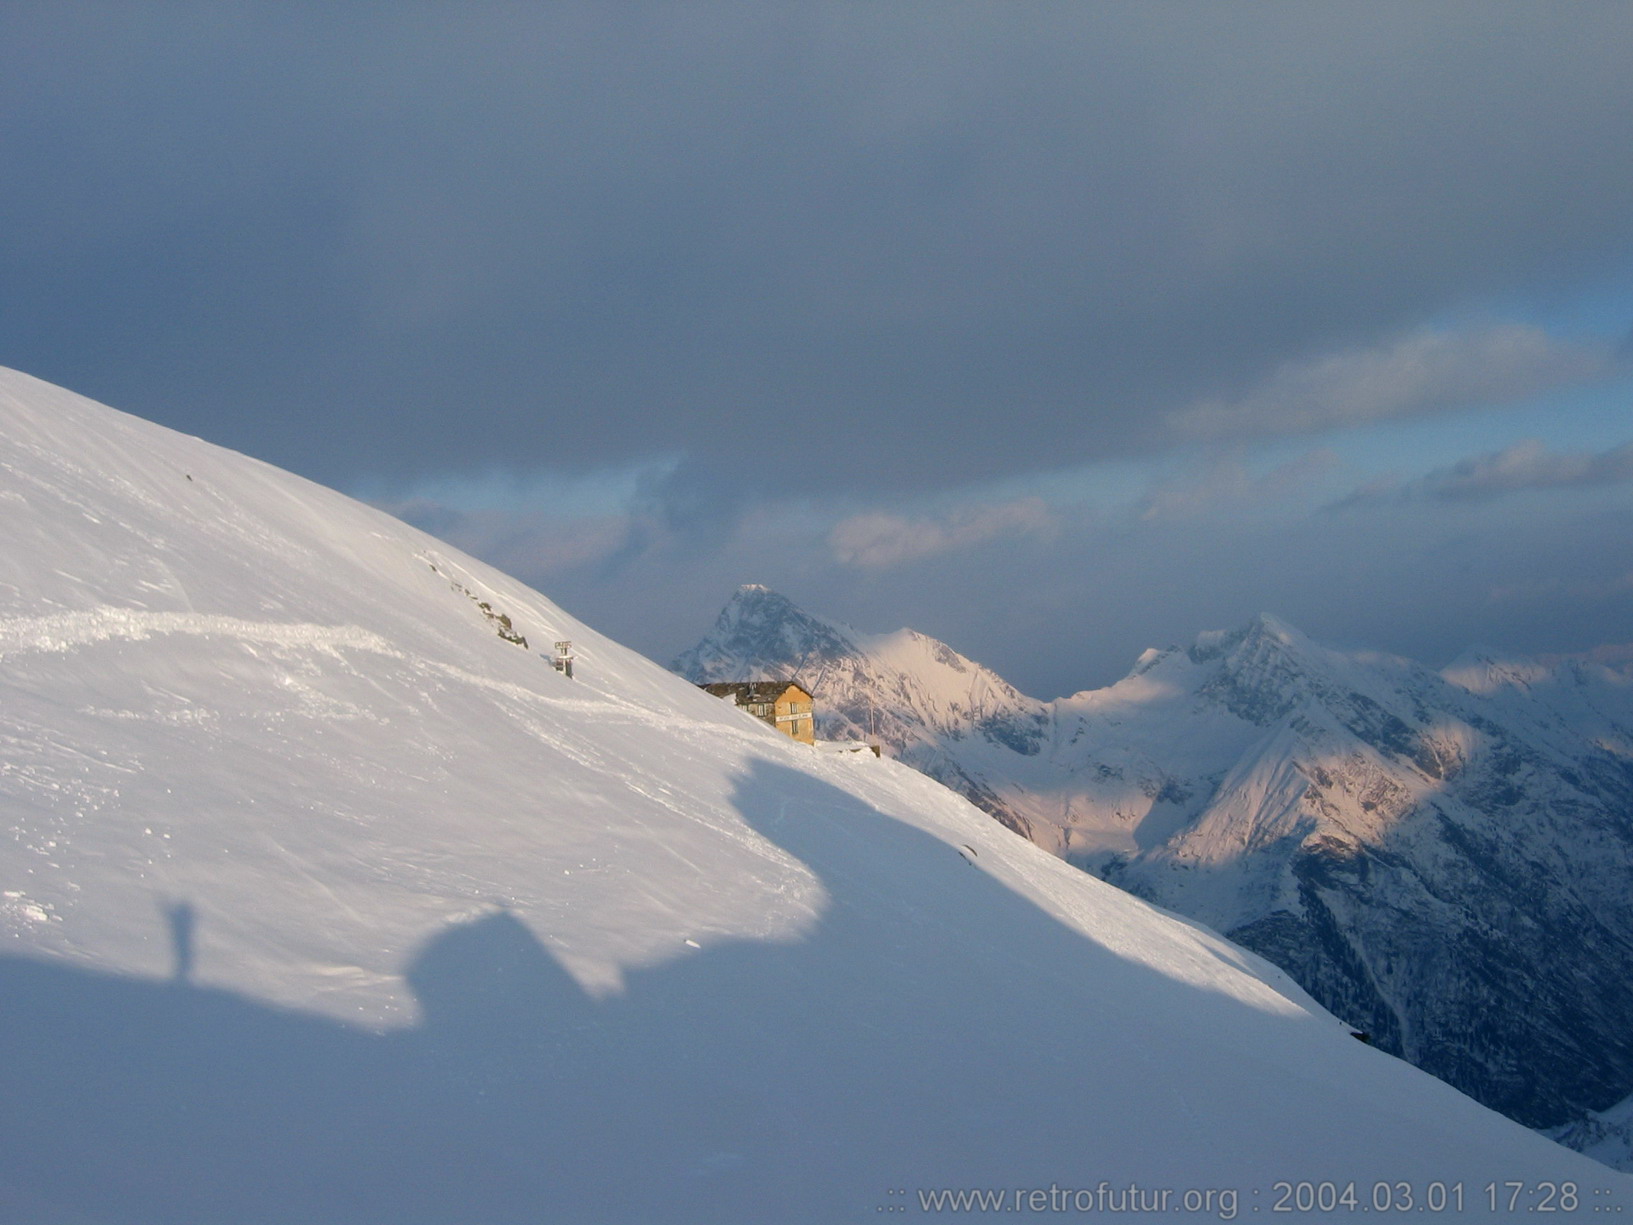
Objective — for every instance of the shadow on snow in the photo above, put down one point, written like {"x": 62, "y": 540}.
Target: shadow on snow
{"x": 934, "y": 1028}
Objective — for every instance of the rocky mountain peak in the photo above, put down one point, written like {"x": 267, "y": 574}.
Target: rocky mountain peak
{"x": 1408, "y": 844}
{"x": 1260, "y": 671}
{"x": 761, "y": 633}
{"x": 1484, "y": 671}
{"x": 1263, "y": 633}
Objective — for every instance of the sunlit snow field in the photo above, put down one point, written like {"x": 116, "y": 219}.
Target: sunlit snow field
{"x": 321, "y": 901}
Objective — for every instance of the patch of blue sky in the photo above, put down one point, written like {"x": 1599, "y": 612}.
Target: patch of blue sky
{"x": 1593, "y": 419}
{"x": 1582, "y": 419}
{"x": 550, "y": 493}
{"x": 1599, "y": 308}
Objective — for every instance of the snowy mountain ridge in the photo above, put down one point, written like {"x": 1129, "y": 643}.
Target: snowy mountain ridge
{"x": 904, "y": 689}
{"x": 322, "y": 899}
{"x": 1441, "y": 858}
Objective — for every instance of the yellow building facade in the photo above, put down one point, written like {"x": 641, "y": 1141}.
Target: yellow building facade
{"x": 783, "y": 704}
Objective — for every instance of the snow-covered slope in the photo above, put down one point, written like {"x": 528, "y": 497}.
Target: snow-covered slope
{"x": 1443, "y": 859}
{"x": 325, "y": 899}
{"x": 918, "y": 698}
{"x": 1606, "y": 1136}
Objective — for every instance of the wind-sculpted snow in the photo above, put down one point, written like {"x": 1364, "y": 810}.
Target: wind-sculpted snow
{"x": 66, "y": 631}
{"x": 321, "y": 901}
{"x": 1443, "y": 859}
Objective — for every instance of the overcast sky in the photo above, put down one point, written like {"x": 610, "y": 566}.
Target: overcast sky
{"x": 1054, "y": 330}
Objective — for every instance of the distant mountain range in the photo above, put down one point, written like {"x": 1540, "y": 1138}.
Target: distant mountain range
{"x": 323, "y": 898}
{"x": 1443, "y": 858}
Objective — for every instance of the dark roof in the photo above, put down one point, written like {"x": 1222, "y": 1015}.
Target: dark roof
{"x": 752, "y": 691}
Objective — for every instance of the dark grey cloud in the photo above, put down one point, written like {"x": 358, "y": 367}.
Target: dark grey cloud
{"x": 839, "y": 246}
{"x": 1525, "y": 466}
{"x": 806, "y": 267}
{"x": 1061, "y": 598}
{"x": 1530, "y": 465}
{"x": 877, "y": 539}
{"x": 1412, "y": 375}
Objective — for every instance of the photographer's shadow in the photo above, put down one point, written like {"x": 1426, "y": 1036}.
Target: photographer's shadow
{"x": 749, "y": 1080}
